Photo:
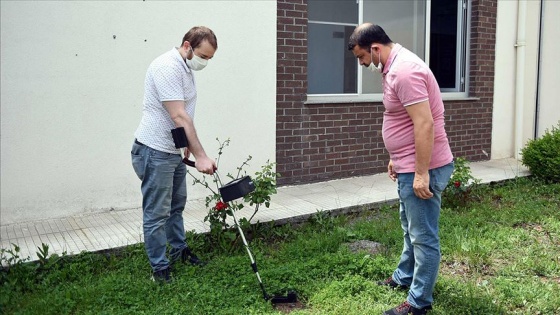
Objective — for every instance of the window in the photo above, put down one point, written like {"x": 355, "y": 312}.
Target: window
{"x": 331, "y": 68}
{"x": 436, "y": 30}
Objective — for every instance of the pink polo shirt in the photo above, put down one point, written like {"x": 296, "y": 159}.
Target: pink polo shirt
{"x": 408, "y": 80}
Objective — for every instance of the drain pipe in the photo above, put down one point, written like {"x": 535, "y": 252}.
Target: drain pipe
{"x": 520, "y": 76}
{"x": 539, "y": 65}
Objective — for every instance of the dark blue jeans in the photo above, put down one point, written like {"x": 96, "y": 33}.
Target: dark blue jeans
{"x": 419, "y": 263}
{"x": 164, "y": 195}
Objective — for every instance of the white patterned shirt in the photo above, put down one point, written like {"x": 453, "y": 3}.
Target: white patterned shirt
{"x": 168, "y": 79}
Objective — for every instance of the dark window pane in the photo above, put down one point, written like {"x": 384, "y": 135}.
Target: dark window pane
{"x": 443, "y": 42}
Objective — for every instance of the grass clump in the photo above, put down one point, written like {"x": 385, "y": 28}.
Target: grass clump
{"x": 500, "y": 255}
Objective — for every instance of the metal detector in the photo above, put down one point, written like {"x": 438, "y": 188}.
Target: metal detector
{"x": 233, "y": 190}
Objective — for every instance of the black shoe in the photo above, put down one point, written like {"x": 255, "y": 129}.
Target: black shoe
{"x": 188, "y": 256}
{"x": 162, "y": 276}
{"x": 389, "y": 282}
{"x": 406, "y": 308}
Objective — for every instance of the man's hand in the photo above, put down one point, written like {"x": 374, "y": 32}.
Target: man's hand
{"x": 421, "y": 186}
{"x": 187, "y": 153}
{"x": 205, "y": 165}
{"x": 391, "y": 171}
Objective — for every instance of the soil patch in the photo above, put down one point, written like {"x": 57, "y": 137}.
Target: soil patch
{"x": 289, "y": 307}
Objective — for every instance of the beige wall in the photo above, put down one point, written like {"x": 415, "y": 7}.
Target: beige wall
{"x": 549, "y": 113}
{"x": 507, "y": 74}
{"x": 504, "y": 95}
{"x": 71, "y": 96}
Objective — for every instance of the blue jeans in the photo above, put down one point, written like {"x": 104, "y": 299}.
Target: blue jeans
{"x": 164, "y": 195}
{"x": 419, "y": 263}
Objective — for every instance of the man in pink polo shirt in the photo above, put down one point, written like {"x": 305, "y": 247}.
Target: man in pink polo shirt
{"x": 420, "y": 158}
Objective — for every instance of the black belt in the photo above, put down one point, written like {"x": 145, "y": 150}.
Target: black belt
{"x": 138, "y": 142}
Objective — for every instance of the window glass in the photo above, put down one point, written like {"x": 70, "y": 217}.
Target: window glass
{"x": 404, "y": 22}
{"x": 331, "y": 67}
{"x": 341, "y": 11}
{"x": 443, "y": 43}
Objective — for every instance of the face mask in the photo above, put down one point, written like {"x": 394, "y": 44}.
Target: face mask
{"x": 372, "y": 67}
{"x": 196, "y": 63}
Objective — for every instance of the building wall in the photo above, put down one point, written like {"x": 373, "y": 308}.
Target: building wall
{"x": 72, "y": 76}
{"x": 72, "y": 83}
{"x": 507, "y": 75}
{"x": 537, "y": 86}
{"x": 548, "y": 114}
{"x": 317, "y": 142}
{"x": 504, "y": 91}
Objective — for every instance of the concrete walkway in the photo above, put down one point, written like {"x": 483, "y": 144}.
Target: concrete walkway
{"x": 111, "y": 229}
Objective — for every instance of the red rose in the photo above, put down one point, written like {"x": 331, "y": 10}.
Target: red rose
{"x": 221, "y": 206}
{"x": 457, "y": 184}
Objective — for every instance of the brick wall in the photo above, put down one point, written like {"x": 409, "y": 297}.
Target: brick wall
{"x": 329, "y": 141}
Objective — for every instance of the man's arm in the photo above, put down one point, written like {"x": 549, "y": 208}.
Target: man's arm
{"x": 176, "y": 110}
{"x": 421, "y": 116}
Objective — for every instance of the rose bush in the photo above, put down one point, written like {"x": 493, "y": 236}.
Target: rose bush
{"x": 461, "y": 189}
{"x": 222, "y": 234}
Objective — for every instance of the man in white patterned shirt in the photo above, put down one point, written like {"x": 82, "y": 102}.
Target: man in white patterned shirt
{"x": 169, "y": 103}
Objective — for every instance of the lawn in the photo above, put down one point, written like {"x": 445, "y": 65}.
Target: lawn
{"x": 500, "y": 255}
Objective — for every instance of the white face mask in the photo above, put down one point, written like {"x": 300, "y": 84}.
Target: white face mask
{"x": 372, "y": 67}
{"x": 196, "y": 63}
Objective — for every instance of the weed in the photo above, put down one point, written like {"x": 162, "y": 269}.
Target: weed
{"x": 323, "y": 220}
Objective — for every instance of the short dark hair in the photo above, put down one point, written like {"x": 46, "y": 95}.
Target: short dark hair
{"x": 366, "y": 34}
{"x": 196, "y": 35}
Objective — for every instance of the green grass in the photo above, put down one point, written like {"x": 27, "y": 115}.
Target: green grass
{"x": 501, "y": 255}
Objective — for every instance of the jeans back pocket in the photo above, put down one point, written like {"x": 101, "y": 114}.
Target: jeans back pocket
{"x": 138, "y": 160}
